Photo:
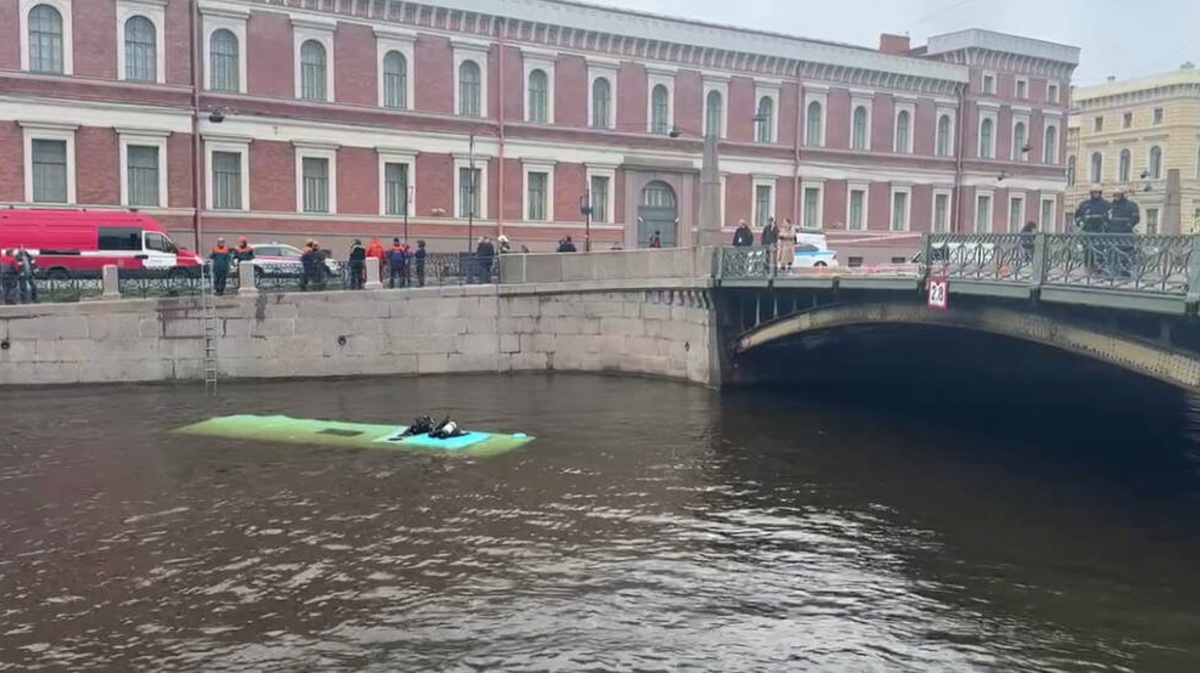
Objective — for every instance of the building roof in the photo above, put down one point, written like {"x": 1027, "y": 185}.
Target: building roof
{"x": 1182, "y": 76}
{"x": 977, "y": 38}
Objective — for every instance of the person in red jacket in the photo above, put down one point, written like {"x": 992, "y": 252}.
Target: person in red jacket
{"x": 8, "y": 277}
{"x": 375, "y": 249}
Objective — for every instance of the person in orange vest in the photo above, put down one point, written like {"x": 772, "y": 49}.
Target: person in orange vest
{"x": 220, "y": 259}
{"x": 8, "y": 277}
{"x": 244, "y": 252}
{"x": 375, "y": 249}
{"x": 397, "y": 263}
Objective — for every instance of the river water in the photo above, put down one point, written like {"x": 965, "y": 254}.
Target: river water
{"x": 653, "y": 526}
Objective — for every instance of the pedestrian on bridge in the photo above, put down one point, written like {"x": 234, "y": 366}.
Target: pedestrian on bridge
{"x": 1091, "y": 217}
{"x": 785, "y": 250}
{"x": 743, "y": 237}
{"x": 26, "y": 268}
{"x": 1123, "y": 218}
{"x": 1027, "y": 240}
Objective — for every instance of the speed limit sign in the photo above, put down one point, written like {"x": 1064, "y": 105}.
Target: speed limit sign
{"x": 939, "y": 293}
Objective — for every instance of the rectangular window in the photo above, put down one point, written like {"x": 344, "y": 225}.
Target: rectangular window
{"x": 1127, "y": 120}
{"x": 49, "y": 171}
{"x": 1047, "y": 214}
{"x": 1151, "y": 221}
{"x": 536, "y": 186}
{"x": 395, "y": 184}
{"x": 1052, "y": 93}
{"x": 1158, "y": 116}
{"x": 812, "y": 208}
{"x": 762, "y": 205}
{"x": 227, "y": 180}
{"x": 468, "y": 192}
{"x": 858, "y": 199}
{"x": 941, "y": 212}
{"x": 1098, "y": 124}
{"x": 120, "y": 238}
{"x": 316, "y": 185}
{"x": 983, "y": 214}
{"x": 989, "y": 84}
{"x": 1022, "y": 89}
{"x": 142, "y": 175}
{"x": 1016, "y": 212}
{"x": 899, "y": 211}
{"x": 599, "y": 199}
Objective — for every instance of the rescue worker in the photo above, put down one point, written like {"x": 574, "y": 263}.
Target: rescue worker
{"x": 244, "y": 252}
{"x": 397, "y": 261}
{"x": 1091, "y": 217}
{"x": 26, "y": 268}
{"x": 1123, "y": 218}
{"x": 505, "y": 246}
{"x": 220, "y": 259}
{"x": 8, "y": 277}
{"x": 375, "y": 250}
{"x": 484, "y": 252}
{"x": 446, "y": 429}
{"x": 743, "y": 237}
{"x": 357, "y": 264}
{"x": 419, "y": 256}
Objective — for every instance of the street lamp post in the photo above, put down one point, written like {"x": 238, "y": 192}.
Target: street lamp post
{"x": 408, "y": 202}
{"x": 471, "y": 192}
{"x": 585, "y": 208}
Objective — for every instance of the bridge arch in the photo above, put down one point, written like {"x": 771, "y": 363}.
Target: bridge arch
{"x": 1149, "y": 359}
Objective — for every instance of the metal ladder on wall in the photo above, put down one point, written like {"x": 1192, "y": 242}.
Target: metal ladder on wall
{"x": 208, "y": 315}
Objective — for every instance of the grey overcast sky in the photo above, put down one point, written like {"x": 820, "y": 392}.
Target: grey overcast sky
{"x": 1125, "y": 38}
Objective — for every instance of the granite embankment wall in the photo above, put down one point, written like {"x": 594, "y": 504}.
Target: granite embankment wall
{"x": 664, "y": 327}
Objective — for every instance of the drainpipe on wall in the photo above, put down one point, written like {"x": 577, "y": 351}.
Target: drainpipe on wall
{"x": 961, "y": 150}
{"x": 500, "y": 132}
{"x": 796, "y": 153}
{"x": 197, "y": 160}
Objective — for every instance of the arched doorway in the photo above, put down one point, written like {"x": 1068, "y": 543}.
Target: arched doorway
{"x": 657, "y": 211}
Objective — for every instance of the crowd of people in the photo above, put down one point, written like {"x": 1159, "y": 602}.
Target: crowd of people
{"x": 17, "y": 276}
{"x": 782, "y": 239}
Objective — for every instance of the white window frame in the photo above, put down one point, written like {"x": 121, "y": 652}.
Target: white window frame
{"x": 821, "y": 98}
{"x": 770, "y": 90}
{"x": 610, "y": 172}
{"x": 326, "y": 151}
{"x": 1162, "y": 162}
{"x": 1158, "y": 116}
{"x": 907, "y": 191}
{"x": 865, "y": 188}
{"x": 655, "y": 76}
{"x": 1092, "y": 178}
{"x": 949, "y": 194}
{"x": 321, "y": 30}
{"x": 64, "y": 10}
{"x": 720, "y": 84}
{"x": 1043, "y": 225}
{"x": 911, "y": 109}
{"x": 1014, "y": 228}
{"x": 819, "y": 185}
{"x": 144, "y": 138}
{"x": 992, "y": 114}
{"x": 391, "y": 155}
{"x": 544, "y": 61}
{"x": 539, "y": 166}
{"x": 755, "y": 183}
{"x": 990, "y": 212}
{"x": 1144, "y": 226}
{"x": 462, "y": 161}
{"x": 1051, "y": 122}
{"x": 49, "y": 131}
{"x": 1015, "y": 152}
{"x": 952, "y": 113}
{"x": 1052, "y": 88}
{"x": 226, "y": 144}
{"x": 478, "y": 52}
{"x": 983, "y": 88}
{"x": 233, "y": 19}
{"x": 1017, "y": 88}
{"x": 607, "y": 70}
{"x": 155, "y": 11}
{"x": 865, "y": 101}
{"x": 388, "y": 39}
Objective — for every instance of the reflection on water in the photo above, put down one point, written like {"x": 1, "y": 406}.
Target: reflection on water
{"x": 653, "y": 526}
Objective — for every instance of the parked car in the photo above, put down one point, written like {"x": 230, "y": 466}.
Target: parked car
{"x": 811, "y": 256}
{"x": 282, "y": 260}
{"x": 79, "y": 243}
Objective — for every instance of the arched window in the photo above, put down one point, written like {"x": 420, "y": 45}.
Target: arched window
{"x": 660, "y": 110}
{"x": 659, "y": 195}
{"x": 1050, "y": 147}
{"x": 141, "y": 61}
{"x": 45, "y": 40}
{"x": 223, "y": 70}
{"x": 395, "y": 80}
{"x": 468, "y": 89}
{"x": 814, "y": 127}
{"x": 1097, "y": 174}
{"x": 1071, "y": 171}
{"x": 766, "y": 119}
{"x": 858, "y": 137}
{"x": 943, "y": 136}
{"x": 601, "y": 103}
{"x": 986, "y": 131}
{"x": 1019, "y": 141}
{"x": 539, "y": 94}
{"x": 714, "y": 113}
{"x": 312, "y": 71}
{"x": 1155, "y": 162}
{"x": 1123, "y": 167}
{"x": 903, "y": 132}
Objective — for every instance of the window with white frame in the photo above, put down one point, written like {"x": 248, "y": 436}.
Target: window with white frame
{"x": 468, "y": 89}
{"x": 1020, "y": 138}
{"x": 539, "y": 87}
{"x": 602, "y": 77}
{"x": 316, "y": 178}
{"x": 223, "y": 61}
{"x": 143, "y": 168}
{"x": 396, "y": 187}
{"x": 313, "y": 39}
{"x": 856, "y": 208}
{"x": 394, "y": 49}
{"x": 812, "y": 204}
{"x": 764, "y": 201}
{"x": 901, "y": 202}
{"x": 716, "y": 90}
{"x": 1098, "y": 124}
{"x": 764, "y": 117}
{"x": 1071, "y": 171}
{"x": 224, "y": 47}
{"x": 983, "y": 213}
{"x": 904, "y": 130}
{"x": 470, "y": 187}
{"x": 600, "y": 193}
{"x": 1158, "y": 116}
{"x": 1051, "y": 93}
{"x": 1016, "y": 213}
{"x": 1097, "y": 173}
{"x": 1127, "y": 120}
{"x": 228, "y": 186}
{"x": 860, "y": 128}
{"x": 987, "y": 136}
{"x": 1046, "y": 213}
{"x": 941, "y": 211}
{"x": 1151, "y": 221}
{"x": 470, "y": 68}
{"x": 1050, "y": 145}
{"x": 660, "y": 105}
{"x": 1155, "y": 163}
{"x": 1022, "y": 88}
{"x": 1124, "y": 166}
{"x": 989, "y": 83}
{"x": 814, "y": 120}
{"x": 49, "y": 162}
{"x": 46, "y": 40}
{"x": 539, "y": 191}
{"x": 944, "y": 143}
{"x": 140, "y": 52}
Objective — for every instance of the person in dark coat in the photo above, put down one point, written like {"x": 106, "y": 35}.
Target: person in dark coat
{"x": 8, "y": 277}
{"x": 770, "y": 233}
{"x": 656, "y": 240}
{"x": 1027, "y": 240}
{"x": 308, "y": 264}
{"x": 26, "y": 268}
{"x": 419, "y": 257}
{"x": 743, "y": 237}
{"x": 221, "y": 257}
{"x": 357, "y": 262}
{"x": 1091, "y": 217}
{"x": 397, "y": 264}
{"x": 244, "y": 252}
{"x": 1123, "y": 218}
{"x": 484, "y": 254}
{"x": 566, "y": 245}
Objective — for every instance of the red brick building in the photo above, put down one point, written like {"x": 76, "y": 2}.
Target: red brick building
{"x": 286, "y": 118}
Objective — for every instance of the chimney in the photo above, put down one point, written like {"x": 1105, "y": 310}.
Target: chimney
{"x": 893, "y": 44}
